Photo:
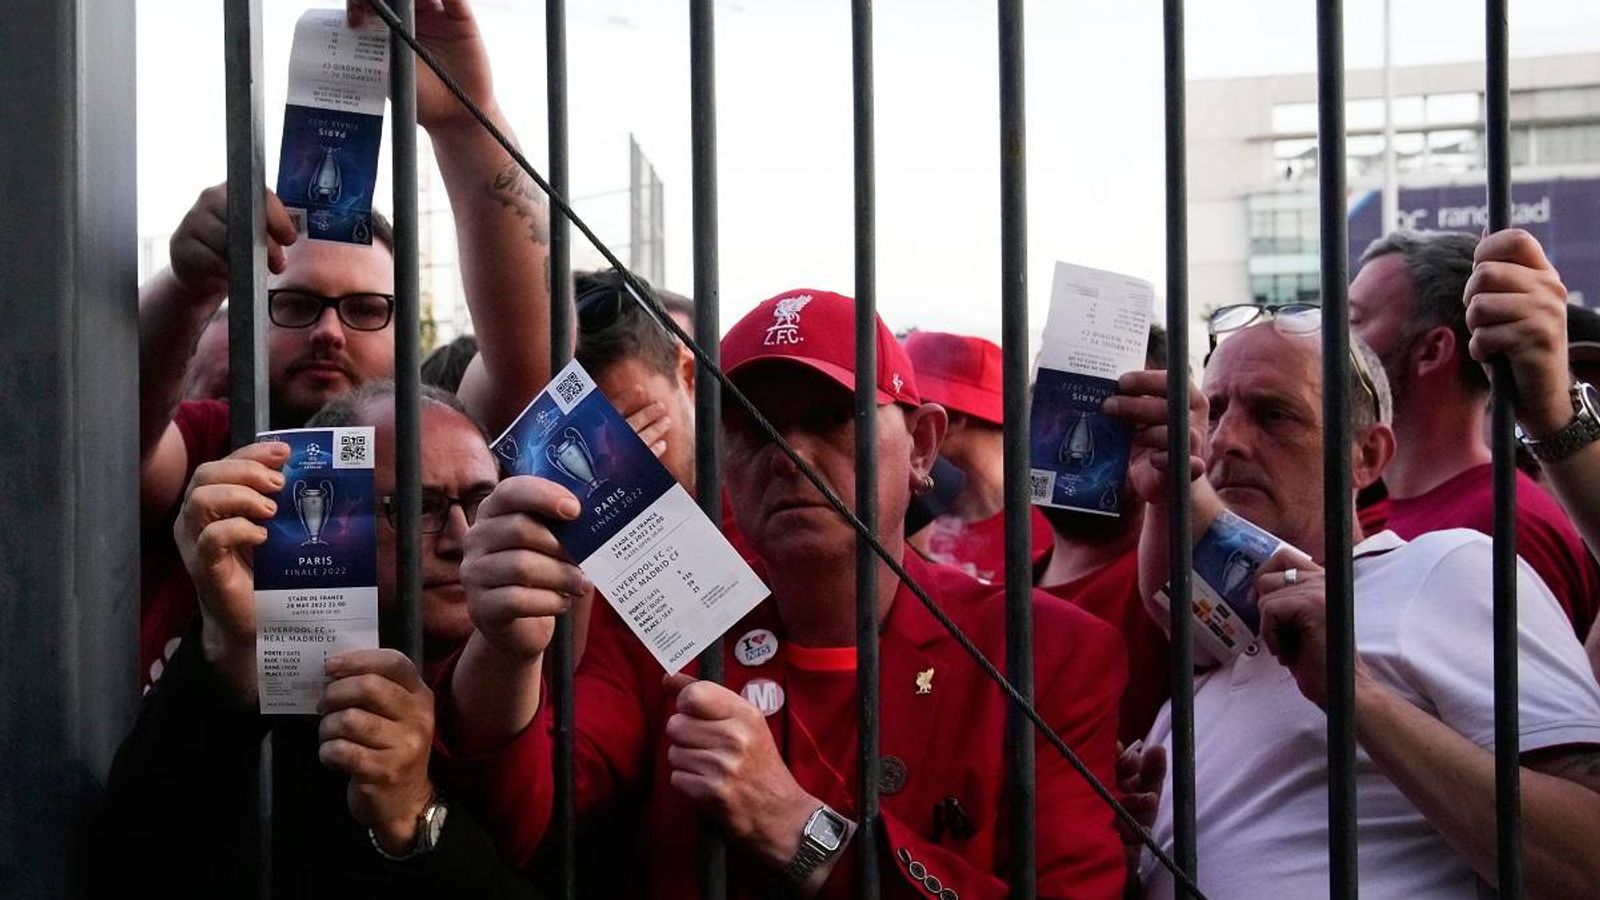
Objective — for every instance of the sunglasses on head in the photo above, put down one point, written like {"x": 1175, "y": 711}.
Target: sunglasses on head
{"x": 599, "y": 305}
{"x": 1287, "y": 318}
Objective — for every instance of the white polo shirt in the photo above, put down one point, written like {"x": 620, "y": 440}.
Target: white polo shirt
{"x": 1424, "y": 627}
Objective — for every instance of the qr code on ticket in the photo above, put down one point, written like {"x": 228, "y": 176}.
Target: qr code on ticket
{"x": 354, "y": 449}
{"x": 1039, "y": 486}
{"x": 570, "y": 389}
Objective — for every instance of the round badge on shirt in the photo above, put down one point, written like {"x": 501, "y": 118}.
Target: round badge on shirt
{"x": 764, "y": 694}
{"x": 756, "y": 647}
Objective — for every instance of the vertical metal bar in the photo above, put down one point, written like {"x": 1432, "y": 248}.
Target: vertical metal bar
{"x": 69, "y": 599}
{"x": 1014, "y": 350}
{"x": 1497, "y": 132}
{"x": 707, "y": 333}
{"x": 1391, "y": 178}
{"x": 866, "y": 290}
{"x": 407, "y": 337}
{"x": 561, "y": 314}
{"x": 248, "y": 412}
{"x": 1179, "y": 542}
{"x": 247, "y": 222}
{"x": 1337, "y": 498}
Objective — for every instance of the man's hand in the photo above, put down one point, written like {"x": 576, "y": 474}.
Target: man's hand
{"x": 1141, "y": 401}
{"x": 216, "y": 531}
{"x": 199, "y": 248}
{"x": 377, "y": 727}
{"x": 1294, "y": 621}
{"x": 450, "y": 32}
{"x": 1141, "y": 770}
{"x": 647, "y": 417}
{"x": 723, "y": 758}
{"x": 1517, "y": 307}
{"x": 515, "y": 574}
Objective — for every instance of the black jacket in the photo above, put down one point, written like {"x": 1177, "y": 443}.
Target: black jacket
{"x": 180, "y": 817}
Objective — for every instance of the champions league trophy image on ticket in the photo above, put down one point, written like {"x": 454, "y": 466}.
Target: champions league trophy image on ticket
{"x": 313, "y": 504}
{"x": 510, "y": 452}
{"x": 326, "y": 184}
{"x": 1236, "y": 572}
{"x": 1077, "y": 450}
{"x": 573, "y": 458}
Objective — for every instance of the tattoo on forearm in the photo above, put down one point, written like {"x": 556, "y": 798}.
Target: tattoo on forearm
{"x": 517, "y": 192}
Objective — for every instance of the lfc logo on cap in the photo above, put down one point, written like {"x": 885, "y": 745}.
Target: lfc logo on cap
{"x": 785, "y": 327}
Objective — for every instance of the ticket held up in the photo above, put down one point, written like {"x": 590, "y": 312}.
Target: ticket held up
{"x": 316, "y": 576}
{"x": 1098, "y": 328}
{"x": 332, "y": 126}
{"x": 1227, "y": 620}
{"x": 642, "y": 540}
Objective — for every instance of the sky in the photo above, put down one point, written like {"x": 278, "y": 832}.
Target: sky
{"x": 785, "y": 190}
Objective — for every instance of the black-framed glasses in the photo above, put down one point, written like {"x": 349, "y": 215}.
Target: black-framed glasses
{"x": 1287, "y": 318}
{"x": 293, "y": 308}
{"x": 435, "y": 508}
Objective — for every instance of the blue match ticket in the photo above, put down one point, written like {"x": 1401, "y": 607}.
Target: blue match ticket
{"x": 651, "y": 551}
{"x": 1227, "y": 620}
{"x": 1098, "y": 329}
{"x": 332, "y": 126}
{"x": 316, "y": 591}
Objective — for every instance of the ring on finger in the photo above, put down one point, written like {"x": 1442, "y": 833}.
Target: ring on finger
{"x": 1291, "y": 575}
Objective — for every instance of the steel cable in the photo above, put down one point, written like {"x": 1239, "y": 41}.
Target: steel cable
{"x": 650, "y": 305}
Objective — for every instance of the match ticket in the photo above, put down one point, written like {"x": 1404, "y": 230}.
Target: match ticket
{"x": 332, "y": 125}
{"x": 1098, "y": 328}
{"x": 1227, "y": 620}
{"x": 316, "y": 576}
{"x": 654, "y": 555}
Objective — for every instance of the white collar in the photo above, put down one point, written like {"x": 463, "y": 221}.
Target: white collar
{"x": 1382, "y": 542}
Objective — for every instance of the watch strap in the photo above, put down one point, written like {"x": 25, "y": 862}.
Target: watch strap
{"x": 1583, "y": 430}
{"x": 430, "y": 825}
{"x": 811, "y": 853}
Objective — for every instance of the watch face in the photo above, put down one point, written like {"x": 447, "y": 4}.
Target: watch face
{"x": 1588, "y": 398}
{"x": 828, "y": 830}
{"x": 433, "y": 825}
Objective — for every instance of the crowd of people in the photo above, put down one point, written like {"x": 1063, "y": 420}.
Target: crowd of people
{"x": 437, "y": 779}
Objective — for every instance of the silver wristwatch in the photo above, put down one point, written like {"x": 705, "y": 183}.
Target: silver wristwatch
{"x": 430, "y": 829}
{"x": 820, "y": 841}
{"x": 1584, "y": 429}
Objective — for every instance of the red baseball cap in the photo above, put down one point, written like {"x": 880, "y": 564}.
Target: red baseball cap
{"x": 962, "y": 374}
{"x": 817, "y": 329}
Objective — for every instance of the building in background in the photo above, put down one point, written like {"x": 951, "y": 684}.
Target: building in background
{"x": 1253, "y": 170}
{"x": 647, "y": 246}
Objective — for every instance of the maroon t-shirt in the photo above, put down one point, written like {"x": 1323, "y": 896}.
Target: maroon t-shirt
{"x": 166, "y": 595}
{"x": 1111, "y": 594}
{"x": 1545, "y": 537}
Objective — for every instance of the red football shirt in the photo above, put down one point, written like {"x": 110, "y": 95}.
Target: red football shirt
{"x": 166, "y": 595}
{"x": 979, "y": 548}
{"x": 1111, "y": 594}
{"x": 1545, "y": 537}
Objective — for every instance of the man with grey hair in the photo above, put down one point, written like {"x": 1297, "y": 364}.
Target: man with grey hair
{"x": 1406, "y": 302}
{"x": 1424, "y": 704}
{"x": 356, "y": 813}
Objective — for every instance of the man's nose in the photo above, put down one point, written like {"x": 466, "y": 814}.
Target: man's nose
{"x": 800, "y": 441}
{"x": 1230, "y": 435}
{"x": 328, "y": 330}
{"x": 451, "y": 539}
